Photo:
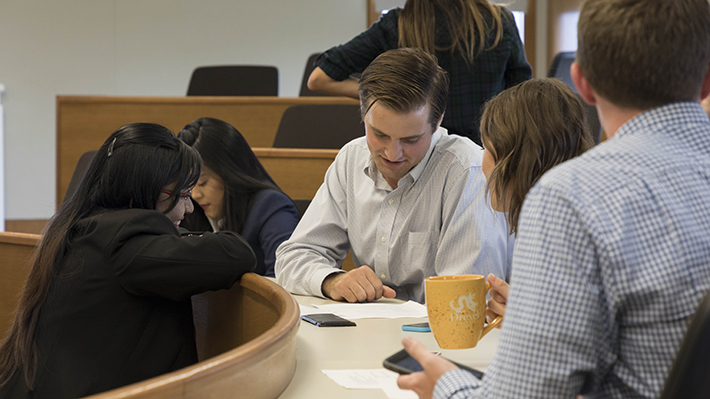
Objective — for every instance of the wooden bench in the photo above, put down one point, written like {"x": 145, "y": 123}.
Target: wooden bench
{"x": 16, "y": 252}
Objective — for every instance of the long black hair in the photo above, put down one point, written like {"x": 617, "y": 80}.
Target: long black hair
{"x": 128, "y": 171}
{"x": 225, "y": 151}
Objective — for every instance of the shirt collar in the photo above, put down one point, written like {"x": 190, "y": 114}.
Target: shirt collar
{"x": 371, "y": 168}
{"x": 684, "y": 113}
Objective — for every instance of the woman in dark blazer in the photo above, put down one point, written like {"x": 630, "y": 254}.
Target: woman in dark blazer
{"x": 236, "y": 193}
{"x": 107, "y": 302}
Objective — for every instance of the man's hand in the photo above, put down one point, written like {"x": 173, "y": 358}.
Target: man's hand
{"x": 357, "y": 285}
{"x": 423, "y": 382}
{"x": 499, "y": 298}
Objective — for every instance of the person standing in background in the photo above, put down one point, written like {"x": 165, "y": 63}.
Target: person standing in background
{"x": 475, "y": 41}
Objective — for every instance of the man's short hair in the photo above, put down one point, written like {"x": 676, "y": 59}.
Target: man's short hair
{"x": 644, "y": 53}
{"x": 405, "y": 80}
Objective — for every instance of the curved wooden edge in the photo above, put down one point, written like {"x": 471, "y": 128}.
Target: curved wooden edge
{"x": 19, "y": 238}
{"x": 280, "y": 337}
{"x": 264, "y": 152}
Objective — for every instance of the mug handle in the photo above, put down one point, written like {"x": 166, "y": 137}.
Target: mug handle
{"x": 494, "y": 323}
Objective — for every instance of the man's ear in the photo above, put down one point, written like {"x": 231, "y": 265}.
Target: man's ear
{"x": 583, "y": 87}
{"x": 705, "y": 91}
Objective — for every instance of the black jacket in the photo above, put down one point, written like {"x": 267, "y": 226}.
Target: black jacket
{"x": 119, "y": 310}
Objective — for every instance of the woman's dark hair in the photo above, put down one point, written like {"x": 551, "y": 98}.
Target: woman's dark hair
{"x": 528, "y": 129}
{"x": 225, "y": 151}
{"x": 128, "y": 171}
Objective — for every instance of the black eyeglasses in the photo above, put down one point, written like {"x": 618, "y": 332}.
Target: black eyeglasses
{"x": 186, "y": 196}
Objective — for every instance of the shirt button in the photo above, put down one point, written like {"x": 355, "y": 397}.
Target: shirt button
{"x": 383, "y": 276}
{"x": 391, "y": 201}
{"x": 384, "y": 239}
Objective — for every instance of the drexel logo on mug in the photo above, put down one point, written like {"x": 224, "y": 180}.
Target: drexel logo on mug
{"x": 457, "y": 306}
{"x": 465, "y": 301}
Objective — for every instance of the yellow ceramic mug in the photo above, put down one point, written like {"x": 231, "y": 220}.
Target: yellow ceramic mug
{"x": 457, "y": 310}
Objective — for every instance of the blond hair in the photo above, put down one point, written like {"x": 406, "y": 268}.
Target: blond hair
{"x": 465, "y": 19}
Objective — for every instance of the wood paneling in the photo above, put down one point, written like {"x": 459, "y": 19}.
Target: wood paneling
{"x": 25, "y": 226}
{"x": 84, "y": 122}
{"x": 16, "y": 250}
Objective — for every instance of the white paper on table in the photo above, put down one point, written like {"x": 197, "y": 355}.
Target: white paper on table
{"x": 375, "y": 310}
{"x": 310, "y": 310}
{"x": 370, "y": 379}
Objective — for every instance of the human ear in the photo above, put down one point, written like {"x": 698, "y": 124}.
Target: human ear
{"x": 583, "y": 87}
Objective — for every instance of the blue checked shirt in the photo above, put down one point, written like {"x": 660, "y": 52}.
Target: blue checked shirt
{"x": 611, "y": 261}
{"x": 436, "y": 222}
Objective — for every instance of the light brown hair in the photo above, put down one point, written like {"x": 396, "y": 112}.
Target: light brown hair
{"x": 528, "y": 129}
{"x": 405, "y": 80}
{"x": 644, "y": 53}
{"x": 465, "y": 18}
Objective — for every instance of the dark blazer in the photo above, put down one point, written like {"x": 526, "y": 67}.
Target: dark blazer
{"x": 118, "y": 310}
{"x": 271, "y": 219}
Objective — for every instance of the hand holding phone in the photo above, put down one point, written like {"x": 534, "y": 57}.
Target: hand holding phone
{"x": 402, "y": 363}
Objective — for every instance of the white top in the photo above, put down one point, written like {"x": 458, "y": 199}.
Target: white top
{"x": 436, "y": 222}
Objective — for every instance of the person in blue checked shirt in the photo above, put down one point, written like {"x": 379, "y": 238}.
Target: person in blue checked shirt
{"x": 613, "y": 247}
{"x": 408, "y": 198}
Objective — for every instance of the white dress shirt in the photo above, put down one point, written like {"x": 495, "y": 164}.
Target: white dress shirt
{"x": 436, "y": 222}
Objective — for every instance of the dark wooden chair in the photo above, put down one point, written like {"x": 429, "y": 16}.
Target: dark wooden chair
{"x": 324, "y": 126}
{"x": 310, "y": 66}
{"x": 234, "y": 80}
{"x": 81, "y": 167}
{"x": 560, "y": 69}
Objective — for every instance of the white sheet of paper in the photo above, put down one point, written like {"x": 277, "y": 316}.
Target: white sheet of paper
{"x": 370, "y": 379}
{"x": 375, "y": 310}
{"x": 310, "y": 310}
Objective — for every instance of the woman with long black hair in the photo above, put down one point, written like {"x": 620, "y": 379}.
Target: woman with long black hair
{"x": 107, "y": 301}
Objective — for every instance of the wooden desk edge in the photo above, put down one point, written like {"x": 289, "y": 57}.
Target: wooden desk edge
{"x": 70, "y": 99}
{"x": 264, "y": 152}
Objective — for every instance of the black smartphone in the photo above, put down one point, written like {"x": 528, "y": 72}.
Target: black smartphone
{"x": 327, "y": 320}
{"x": 402, "y": 363}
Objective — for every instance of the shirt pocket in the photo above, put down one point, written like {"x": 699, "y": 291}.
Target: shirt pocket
{"x": 421, "y": 251}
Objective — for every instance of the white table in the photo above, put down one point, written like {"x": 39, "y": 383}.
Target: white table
{"x": 362, "y": 347}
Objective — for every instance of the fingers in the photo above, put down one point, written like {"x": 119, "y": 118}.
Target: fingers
{"x": 358, "y": 285}
{"x": 499, "y": 298}
{"x": 388, "y": 292}
{"x": 415, "y": 349}
{"x": 434, "y": 367}
{"x": 418, "y": 382}
{"x": 499, "y": 287}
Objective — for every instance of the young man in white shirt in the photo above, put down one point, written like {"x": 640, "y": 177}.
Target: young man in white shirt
{"x": 408, "y": 199}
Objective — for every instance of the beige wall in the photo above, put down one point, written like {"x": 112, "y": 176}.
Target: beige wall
{"x": 137, "y": 47}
